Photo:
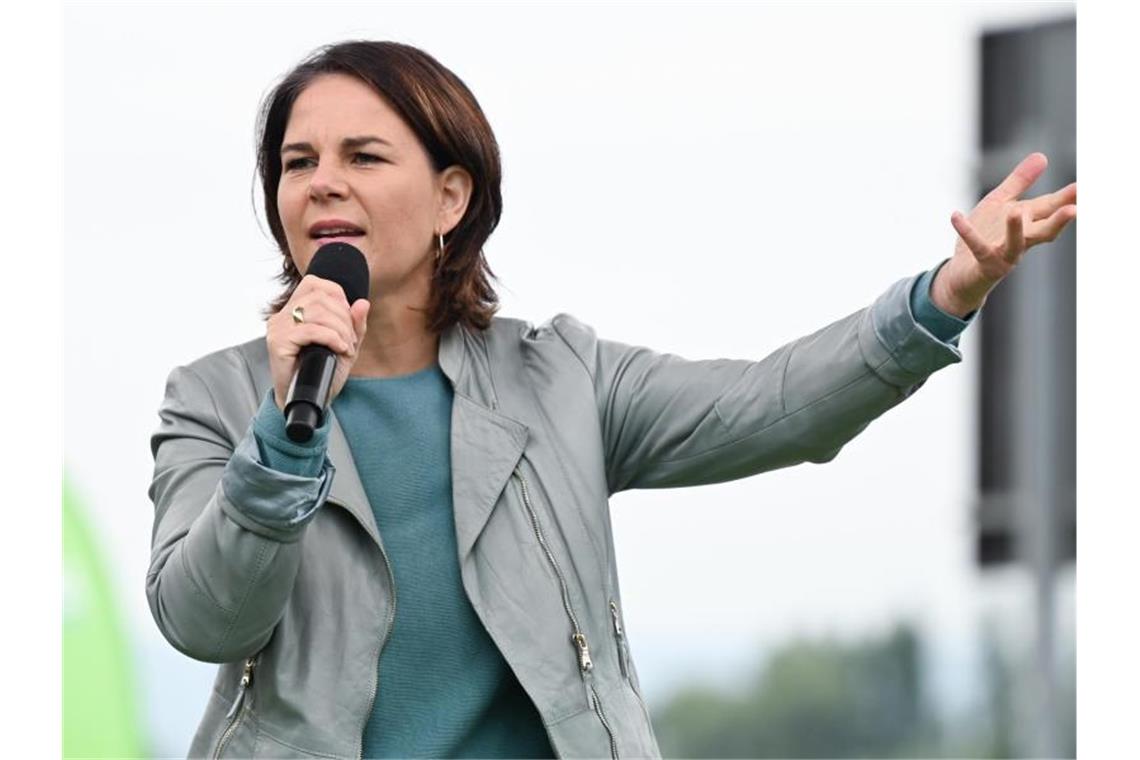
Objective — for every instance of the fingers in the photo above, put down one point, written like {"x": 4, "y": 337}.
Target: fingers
{"x": 1020, "y": 179}
{"x": 325, "y": 305}
{"x": 312, "y": 283}
{"x": 1045, "y": 206}
{"x": 1048, "y": 230}
{"x": 359, "y": 312}
{"x": 1014, "y": 234}
{"x": 970, "y": 236}
{"x": 306, "y": 334}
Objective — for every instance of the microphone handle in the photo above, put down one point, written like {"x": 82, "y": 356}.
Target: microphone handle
{"x": 307, "y": 401}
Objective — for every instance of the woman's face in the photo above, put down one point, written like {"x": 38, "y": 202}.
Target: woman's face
{"x": 348, "y": 156}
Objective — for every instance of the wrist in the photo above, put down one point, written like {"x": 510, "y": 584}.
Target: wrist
{"x": 952, "y": 302}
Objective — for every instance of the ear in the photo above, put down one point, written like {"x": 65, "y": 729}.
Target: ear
{"x": 455, "y": 186}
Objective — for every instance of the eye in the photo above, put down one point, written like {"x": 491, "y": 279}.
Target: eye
{"x": 368, "y": 158}
{"x": 295, "y": 164}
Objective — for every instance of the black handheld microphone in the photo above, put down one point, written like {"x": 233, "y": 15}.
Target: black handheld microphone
{"x": 307, "y": 401}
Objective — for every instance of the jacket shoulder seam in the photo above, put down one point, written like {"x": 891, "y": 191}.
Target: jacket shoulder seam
{"x": 481, "y": 337}
{"x": 569, "y": 345}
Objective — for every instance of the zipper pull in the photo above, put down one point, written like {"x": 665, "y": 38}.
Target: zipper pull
{"x": 585, "y": 664}
{"x": 617, "y": 621}
{"x": 246, "y": 678}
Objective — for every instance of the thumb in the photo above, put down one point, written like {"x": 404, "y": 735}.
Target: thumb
{"x": 359, "y": 311}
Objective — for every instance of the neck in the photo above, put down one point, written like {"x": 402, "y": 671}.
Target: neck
{"x": 397, "y": 341}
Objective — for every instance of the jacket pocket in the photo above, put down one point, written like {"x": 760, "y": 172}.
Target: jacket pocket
{"x": 578, "y": 637}
{"x": 240, "y": 713}
{"x": 623, "y": 655}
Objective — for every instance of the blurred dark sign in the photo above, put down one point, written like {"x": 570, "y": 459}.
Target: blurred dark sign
{"x": 1026, "y": 510}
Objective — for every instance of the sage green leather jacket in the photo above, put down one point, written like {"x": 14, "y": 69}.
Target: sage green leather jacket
{"x": 283, "y": 580}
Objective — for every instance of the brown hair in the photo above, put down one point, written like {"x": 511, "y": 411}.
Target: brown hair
{"x": 445, "y": 117}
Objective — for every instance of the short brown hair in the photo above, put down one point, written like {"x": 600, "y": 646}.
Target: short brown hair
{"x": 445, "y": 117}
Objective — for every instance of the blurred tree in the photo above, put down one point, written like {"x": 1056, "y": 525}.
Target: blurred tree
{"x": 864, "y": 699}
{"x": 813, "y": 699}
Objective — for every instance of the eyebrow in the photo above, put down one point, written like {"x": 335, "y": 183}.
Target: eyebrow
{"x": 347, "y": 143}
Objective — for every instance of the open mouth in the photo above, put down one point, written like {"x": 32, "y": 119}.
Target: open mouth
{"x": 340, "y": 238}
{"x": 328, "y": 230}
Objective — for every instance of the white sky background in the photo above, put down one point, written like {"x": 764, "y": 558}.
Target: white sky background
{"x": 709, "y": 182}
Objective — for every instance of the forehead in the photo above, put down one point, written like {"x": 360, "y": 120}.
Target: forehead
{"x": 339, "y": 104}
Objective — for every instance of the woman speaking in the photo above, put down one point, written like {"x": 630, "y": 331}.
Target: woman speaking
{"x": 432, "y": 573}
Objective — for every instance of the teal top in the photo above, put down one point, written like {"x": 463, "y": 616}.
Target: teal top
{"x": 444, "y": 689}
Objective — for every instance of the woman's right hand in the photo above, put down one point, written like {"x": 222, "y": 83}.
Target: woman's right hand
{"x": 329, "y": 321}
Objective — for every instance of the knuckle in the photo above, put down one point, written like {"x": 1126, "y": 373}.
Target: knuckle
{"x": 333, "y": 290}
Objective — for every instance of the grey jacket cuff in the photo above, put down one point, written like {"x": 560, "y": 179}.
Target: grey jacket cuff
{"x": 269, "y": 502}
{"x": 895, "y": 345}
{"x": 945, "y": 327}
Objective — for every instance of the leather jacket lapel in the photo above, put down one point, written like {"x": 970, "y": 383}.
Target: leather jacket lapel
{"x": 485, "y": 445}
{"x": 347, "y": 490}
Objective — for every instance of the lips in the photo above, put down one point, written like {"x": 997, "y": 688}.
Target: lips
{"x": 341, "y": 228}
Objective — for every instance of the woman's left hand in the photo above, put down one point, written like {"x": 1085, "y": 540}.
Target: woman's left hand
{"x": 997, "y": 233}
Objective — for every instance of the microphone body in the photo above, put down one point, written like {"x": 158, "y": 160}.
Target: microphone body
{"x": 307, "y": 401}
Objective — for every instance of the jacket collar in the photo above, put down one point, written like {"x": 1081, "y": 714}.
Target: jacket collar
{"x": 486, "y": 445}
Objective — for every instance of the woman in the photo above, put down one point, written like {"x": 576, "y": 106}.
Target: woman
{"x": 433, "y": 573}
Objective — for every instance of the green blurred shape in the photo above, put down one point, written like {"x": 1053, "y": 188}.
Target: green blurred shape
{"x": 100, "y": 706}
{"x": 812, "y": 698}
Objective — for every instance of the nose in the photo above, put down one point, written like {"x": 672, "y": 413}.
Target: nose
{"x": 326, "y": 182}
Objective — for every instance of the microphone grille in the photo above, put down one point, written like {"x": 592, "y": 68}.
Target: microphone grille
{"x": 345, "y": 265}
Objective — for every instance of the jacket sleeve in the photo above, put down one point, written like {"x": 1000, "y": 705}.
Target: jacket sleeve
{"x": 667, "y": 421}
{"x": 225, "y": 544}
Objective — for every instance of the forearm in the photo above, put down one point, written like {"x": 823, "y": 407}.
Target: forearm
{"x": 666, "y": 421}
{"x": 225, "y": 547}
{"x": 217, "y": 593}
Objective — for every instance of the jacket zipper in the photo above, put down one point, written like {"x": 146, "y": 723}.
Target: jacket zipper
{"x": 623, "y": 655}
{"x": 234, "y": 715}
{"x": 379, "y": 650}
{"x": 620, "y": 642}
{"x": 597, "y": 704}
{"x": 577, "y": 638}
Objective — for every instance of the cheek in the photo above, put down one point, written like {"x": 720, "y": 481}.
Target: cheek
{"x": 290, "y": 213}
{"x": 403, "y": 200}
{"x": 286, "y": 208}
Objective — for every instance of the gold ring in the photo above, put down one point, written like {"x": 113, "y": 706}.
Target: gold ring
{"x": 298, "y": 314}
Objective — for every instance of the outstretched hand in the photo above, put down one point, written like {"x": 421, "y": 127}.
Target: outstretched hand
{"x": 997, "y": 233}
